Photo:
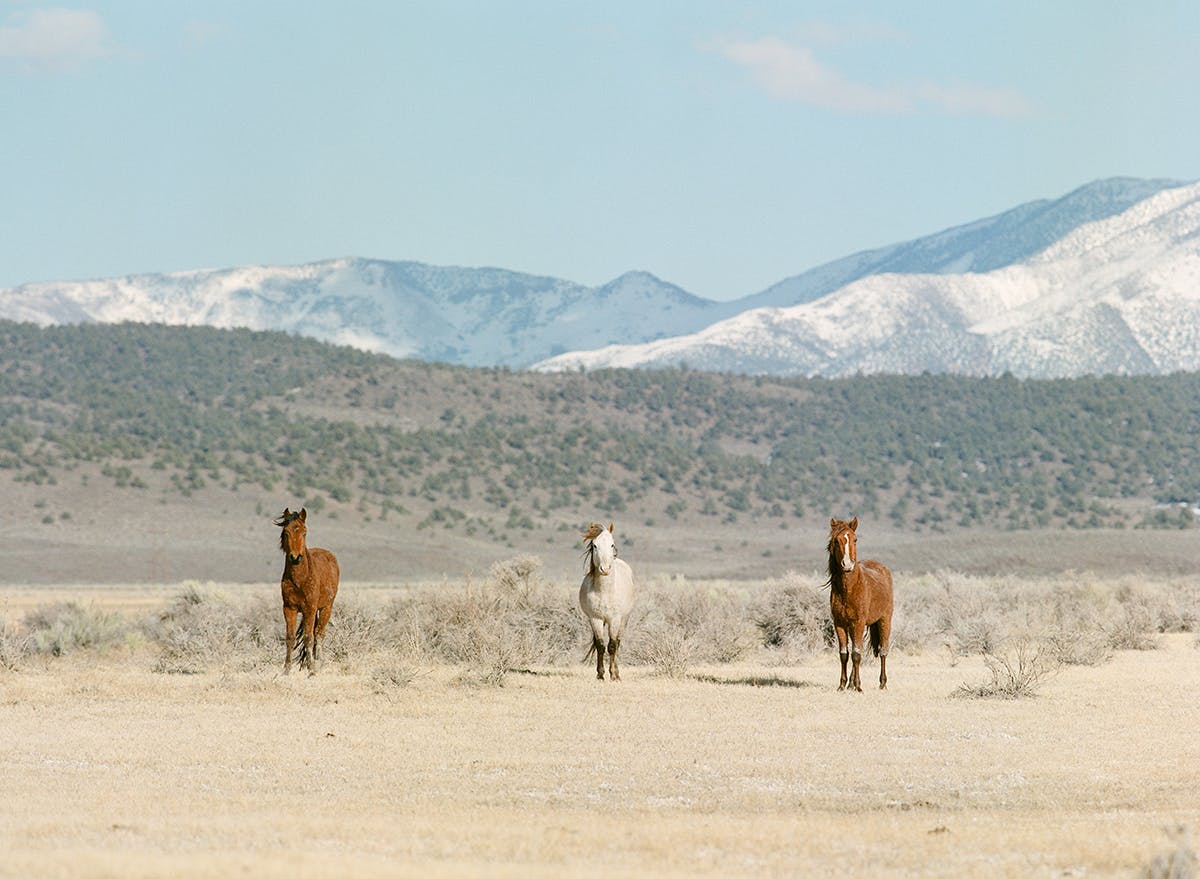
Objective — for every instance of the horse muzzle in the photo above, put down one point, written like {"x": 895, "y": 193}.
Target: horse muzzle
{"x": 295, "y": 559}
{"x": 847, "y": 568}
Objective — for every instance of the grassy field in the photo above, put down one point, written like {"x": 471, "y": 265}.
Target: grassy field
{"x": 396, "y": 761}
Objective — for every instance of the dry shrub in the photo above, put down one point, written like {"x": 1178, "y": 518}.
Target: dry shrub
{"x": 15, "y": 646}
{"x": 666, "y": 649}
{"x": 1015, "y": 673}
{"x": 1130, "y": 626}
{"x": 1078, "y": 646}
{"x": 1179, "y": 607}
{"x": 511, "y": 621}
{"x": 1179, "y": 863}
{"x": 393, "y": 674}
{"x": 1078, "y": 621}
{"x": 916, "y": 623}
{"x": 62, "y": 628}
{"x": 203, "y": 628}
{"x": 678, "y": 624}
{"x": 358, "y": 630}
{"x": 973, "y": 616}
{"x": 794, "y": 612}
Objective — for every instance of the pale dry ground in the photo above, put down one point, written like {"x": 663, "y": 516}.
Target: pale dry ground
{"x": 122, "y": 536}
{"x": 108, "y": 769}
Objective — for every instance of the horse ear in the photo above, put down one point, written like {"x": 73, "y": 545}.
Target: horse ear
{"x": 304, "y": 514}
{"x": 833, "y": 523}
{"x": 610, "y": 527}
{"x": 854, "y": 524}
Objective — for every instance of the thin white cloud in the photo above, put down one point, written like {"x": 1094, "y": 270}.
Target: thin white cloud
{"x": 55, "y": 40}
{"x": 961, "y": 100}
{"x": 793, "y": 73}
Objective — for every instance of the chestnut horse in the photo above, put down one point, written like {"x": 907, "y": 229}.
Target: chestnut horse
{"x": 309, "y": 586}
{"x": 860, "y": 598}
{"x": 605, "y": 595}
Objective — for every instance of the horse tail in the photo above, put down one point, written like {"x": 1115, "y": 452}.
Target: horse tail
{"x": 591, "y": 652}
{"x": 876, "y": 629}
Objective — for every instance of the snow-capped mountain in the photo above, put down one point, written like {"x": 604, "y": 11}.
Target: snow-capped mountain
{"x": 1117, "y": 295}
{"x": 477, "y": 317}
{"x": 981, "y": 246}
{"x": 900, "y": 304}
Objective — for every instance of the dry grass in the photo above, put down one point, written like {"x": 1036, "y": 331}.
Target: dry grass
{"x": 1181, "y": 862}
{"x": 1014, "y": 673}
{"x": 732, "y": 755}
{"x": 123, "y": 771}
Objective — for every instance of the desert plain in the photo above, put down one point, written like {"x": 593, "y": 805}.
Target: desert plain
{"x": 112, "y": 766}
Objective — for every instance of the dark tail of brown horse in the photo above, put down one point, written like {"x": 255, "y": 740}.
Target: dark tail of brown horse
{"x": 876, "y": 630}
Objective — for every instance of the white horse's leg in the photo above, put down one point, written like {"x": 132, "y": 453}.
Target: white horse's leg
{"x": 614, "y": 642}
{"x": 598, "y": 644}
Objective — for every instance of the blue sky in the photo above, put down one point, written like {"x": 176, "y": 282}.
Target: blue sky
{"x": 722, "y": 146}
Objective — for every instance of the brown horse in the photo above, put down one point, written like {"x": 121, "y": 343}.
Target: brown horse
{"x": 309, "y": 586}
{"x": 860, "y": 598}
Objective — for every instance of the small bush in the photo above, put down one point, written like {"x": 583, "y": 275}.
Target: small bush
{"x": 62, "y": 628}
{"x": 393, "y": 674}
{"x": 15, "y": 645}
{"x": 1130, "y": 627}
{"x": 511, "y": 621}
{"x": 680, "y": 624}
{"x": 204, "y": 628}
{"x": 357, "y": 630}
{"x": 1181, "y": 862}
{"x": 666, "y": 649}
{"x": 1015, "y": 673}
{"x": 794, "y": 613}
{"x": 1081, "y": 646}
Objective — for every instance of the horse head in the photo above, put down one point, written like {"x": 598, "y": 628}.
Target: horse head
{"x": 843, "y": 543}
{"x": 291, "y": 538}
{"x": 600, "y": 548}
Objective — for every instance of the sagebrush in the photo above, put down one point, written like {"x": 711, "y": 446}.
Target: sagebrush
{"x": 515, "y": 619}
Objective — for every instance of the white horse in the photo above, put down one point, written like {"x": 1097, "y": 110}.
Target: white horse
{"x": 605, "y": 595}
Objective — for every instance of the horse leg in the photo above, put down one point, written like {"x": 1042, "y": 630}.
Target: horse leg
{"x": 856, "y": 645}
{"x": 881, "y": 635}
{"x": 598, "y": 646}
{"x": 289, "y": 636}
{"x": 322, "y": 622}
{"x": 613, "y": 672}
{"x": 843, "y": 653}
{"x": 309, "y": 624}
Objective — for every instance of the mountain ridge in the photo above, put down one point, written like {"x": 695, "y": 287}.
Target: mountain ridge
{"x": 1120, "y": 294}
{"x": 492, "y": 316}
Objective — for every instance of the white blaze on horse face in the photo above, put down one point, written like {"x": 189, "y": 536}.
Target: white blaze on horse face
{"x": 847, "y": 553}
{"x": 604, "y": 550}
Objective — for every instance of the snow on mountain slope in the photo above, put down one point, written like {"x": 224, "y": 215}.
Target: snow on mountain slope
{"x": 980, "y": 246}
{"x": 1118, "y": 295}
{"x": 405, "y": 309}
{"x": 491, "y": 316}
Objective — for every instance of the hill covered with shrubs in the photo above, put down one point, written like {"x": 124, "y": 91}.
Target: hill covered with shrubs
{"x": 175, "y": 410}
